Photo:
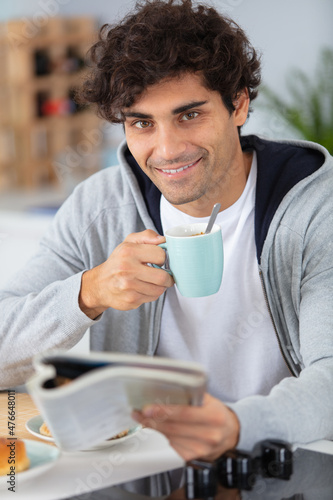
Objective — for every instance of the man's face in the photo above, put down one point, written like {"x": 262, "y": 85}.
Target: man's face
{"x": 185, "y": 140}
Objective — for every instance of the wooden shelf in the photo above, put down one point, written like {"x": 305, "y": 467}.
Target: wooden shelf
{"x": 40, "y": 125}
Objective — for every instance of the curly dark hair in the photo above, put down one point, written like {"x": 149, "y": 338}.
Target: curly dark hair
{"x": 163, "y": 39}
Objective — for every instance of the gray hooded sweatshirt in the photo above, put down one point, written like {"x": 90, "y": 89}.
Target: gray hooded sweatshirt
{"x": 294, "y": 240}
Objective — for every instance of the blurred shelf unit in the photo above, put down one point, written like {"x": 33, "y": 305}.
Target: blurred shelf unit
{"x": 44, "y": 134}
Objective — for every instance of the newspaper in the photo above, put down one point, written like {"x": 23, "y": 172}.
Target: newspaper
{"x": 86, "y": 399}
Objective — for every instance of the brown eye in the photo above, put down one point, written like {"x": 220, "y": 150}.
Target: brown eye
{"x": 142, "y": 124}
{"x": 189, "y": 116}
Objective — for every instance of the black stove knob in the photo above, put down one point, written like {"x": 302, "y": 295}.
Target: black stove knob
{"x": 235, "y": 470}
{"x": 200, "y": 480}
{"x": 274, "y": 459}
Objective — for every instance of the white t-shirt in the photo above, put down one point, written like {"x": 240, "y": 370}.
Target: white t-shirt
{"x": 231, "y": 332}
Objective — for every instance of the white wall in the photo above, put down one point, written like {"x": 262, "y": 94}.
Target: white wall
{"x": 288, "y": 34}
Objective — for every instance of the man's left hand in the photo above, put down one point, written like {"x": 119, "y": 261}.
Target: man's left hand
{"x": 204, "y": 432}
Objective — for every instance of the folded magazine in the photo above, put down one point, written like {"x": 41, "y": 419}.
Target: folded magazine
{"x": 86, "y": 399}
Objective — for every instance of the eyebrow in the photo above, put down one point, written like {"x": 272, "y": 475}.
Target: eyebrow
{"x": 186, "y": 107}
{"x": 176, "y": 111}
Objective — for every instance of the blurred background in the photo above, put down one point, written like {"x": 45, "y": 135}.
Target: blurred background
{"x": 48, "y": 144}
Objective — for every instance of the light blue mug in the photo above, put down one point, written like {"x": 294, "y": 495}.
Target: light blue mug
{"x": 195, "y": 258}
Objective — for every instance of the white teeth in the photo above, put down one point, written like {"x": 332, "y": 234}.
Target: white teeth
{"x": 174, "y": 171}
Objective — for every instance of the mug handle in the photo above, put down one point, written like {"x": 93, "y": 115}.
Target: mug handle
{"x": 164, "y": 246}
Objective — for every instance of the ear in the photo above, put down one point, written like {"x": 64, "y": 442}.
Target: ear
{"x": 241, "y": 104}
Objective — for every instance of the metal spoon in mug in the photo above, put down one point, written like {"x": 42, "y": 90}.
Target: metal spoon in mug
{"x": 213, "y": 215}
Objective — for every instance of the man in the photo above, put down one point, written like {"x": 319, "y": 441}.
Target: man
{"x": 180, "y": 78}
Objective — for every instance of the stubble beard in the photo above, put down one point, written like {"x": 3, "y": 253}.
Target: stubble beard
{"x": 182, "y": 193}
{"x": 210, "y": 191}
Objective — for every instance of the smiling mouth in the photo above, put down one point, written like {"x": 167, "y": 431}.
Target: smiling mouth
{"x": 177, "y": 170}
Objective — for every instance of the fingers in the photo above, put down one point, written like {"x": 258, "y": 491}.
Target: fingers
{"x": 130, "y": 267}
{"x": 130, "y": 293}
{"x": 125, "y": 281}
{"x": 205, "y": 414}
{"x": 129, "y": 254}
{"x": 194, "y": 432}
{"x": 191, "y": 450}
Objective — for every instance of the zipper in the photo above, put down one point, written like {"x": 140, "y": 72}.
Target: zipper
{"x": 274, "y": 326}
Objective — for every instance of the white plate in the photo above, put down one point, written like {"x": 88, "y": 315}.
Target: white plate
{"x": 112, "y": 442}
{"x": 33, "y": 425}
{"x": 42, "y": 456}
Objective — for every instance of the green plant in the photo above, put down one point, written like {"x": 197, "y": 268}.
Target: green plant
{"x": 309, "y": 109}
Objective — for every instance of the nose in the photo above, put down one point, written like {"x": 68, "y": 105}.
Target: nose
{"x": 169, "y": 143}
